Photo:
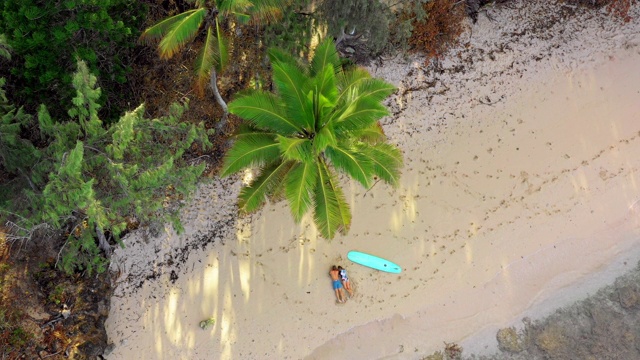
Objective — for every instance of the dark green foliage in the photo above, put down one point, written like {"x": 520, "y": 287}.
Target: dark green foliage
{"x": 90, "y": 180}
{"x": 293, "y": 32}
{"x": 48, "y": 36}
{"x": 5, "y": 49}
{"x": 16, "y": 154}
{"x": 367, "y": 20}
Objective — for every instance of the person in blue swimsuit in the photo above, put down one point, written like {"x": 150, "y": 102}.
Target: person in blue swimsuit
{"x": 337, "y": 284}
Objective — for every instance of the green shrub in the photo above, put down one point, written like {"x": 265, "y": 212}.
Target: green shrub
{"x": 48, "y": 37}
{"x": 19, "y": 337}
{"x": 56, "y": 295}
{"x": 92, "y": 178}
{"x": 204, "y": 324}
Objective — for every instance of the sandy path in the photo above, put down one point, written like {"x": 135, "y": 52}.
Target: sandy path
{"x": 519, "y": 191}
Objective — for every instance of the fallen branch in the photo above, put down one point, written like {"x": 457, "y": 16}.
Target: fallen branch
{"x": 374, "y": 184}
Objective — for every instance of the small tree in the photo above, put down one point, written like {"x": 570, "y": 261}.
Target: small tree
{"x": 92, "y": 180}
{"x": 321, "y": 121}
{"x": 175, "y": 32}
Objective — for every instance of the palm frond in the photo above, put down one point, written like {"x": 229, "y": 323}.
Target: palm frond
{"x": 279, "y": 56}
{"x": 277, "y": 194}
{"x": 264, "y": 111}
{"x": 386, "y": 160}
{"x": 292, "y": 85}
{"x": 250, "y": 150}
{"x": 227, "y": 7}
{"x": 326, "y": 91}
{"x": 298, "y": 149}
{"x": 205, "y": 61}
{"x": 359, "y": 115}
{"x": 344, "y": 212}
{"x": 372, "y": 88}
{"x": 299, "y": 186}
{"x": 180, "y": 32}
{"x": 352, "y": 163}
{"x": 331, "y": 211}
{"x": 325, "y": 56}
{"x": 291, "y": 88}
{"x": 360, "y": 105}
{"x": 247, "y": 130}
{"x": 159, "y": 30}
{"x": 270, "y": 178}
{"x": 324, "y": 138}
{"x": 252, "y": 11}
{"x": 351, "y": 78}
{"x": 267, "y": 11}
{"x": 357, "y": 84}
{"x": 242, "y": 18}
{"x": 372, "y": 134}
{"x": 223, "y": 49}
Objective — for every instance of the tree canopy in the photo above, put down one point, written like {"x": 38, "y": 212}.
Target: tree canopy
{"x": 48, "y": 36}
{"x": 321, "y": 121}
{"x": 92, "y": 180}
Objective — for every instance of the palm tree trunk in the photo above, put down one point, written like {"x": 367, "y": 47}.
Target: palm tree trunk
{"x": 213, "y": 82}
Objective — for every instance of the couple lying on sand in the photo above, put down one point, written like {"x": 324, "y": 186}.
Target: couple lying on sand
{"x": 340, "y": 282}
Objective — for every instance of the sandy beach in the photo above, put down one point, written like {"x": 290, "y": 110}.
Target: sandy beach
{"x": 520, "y": 193}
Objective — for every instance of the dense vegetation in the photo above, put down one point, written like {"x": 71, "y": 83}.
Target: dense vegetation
{"x": 66, "y": 171}
{"x": 175, "y": 32}
{"x": 98, "y": 136}
{"x": 91, "y": 179}
{"x": 48, "y": 37}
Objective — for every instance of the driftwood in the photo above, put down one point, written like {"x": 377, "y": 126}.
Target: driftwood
{"x": 103, "y": 244}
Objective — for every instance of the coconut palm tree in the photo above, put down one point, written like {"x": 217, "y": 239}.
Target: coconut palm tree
{"x": 176, "y": 32}
{"x": 321, "y": 121}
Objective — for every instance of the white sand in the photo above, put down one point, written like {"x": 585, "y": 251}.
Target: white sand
{"x": 519, "y": 194}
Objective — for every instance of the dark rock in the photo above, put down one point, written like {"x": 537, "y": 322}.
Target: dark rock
{"x": 103, "y": 308}
{"x": 109, "y": 349}
{"x": 90, "y": 349}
